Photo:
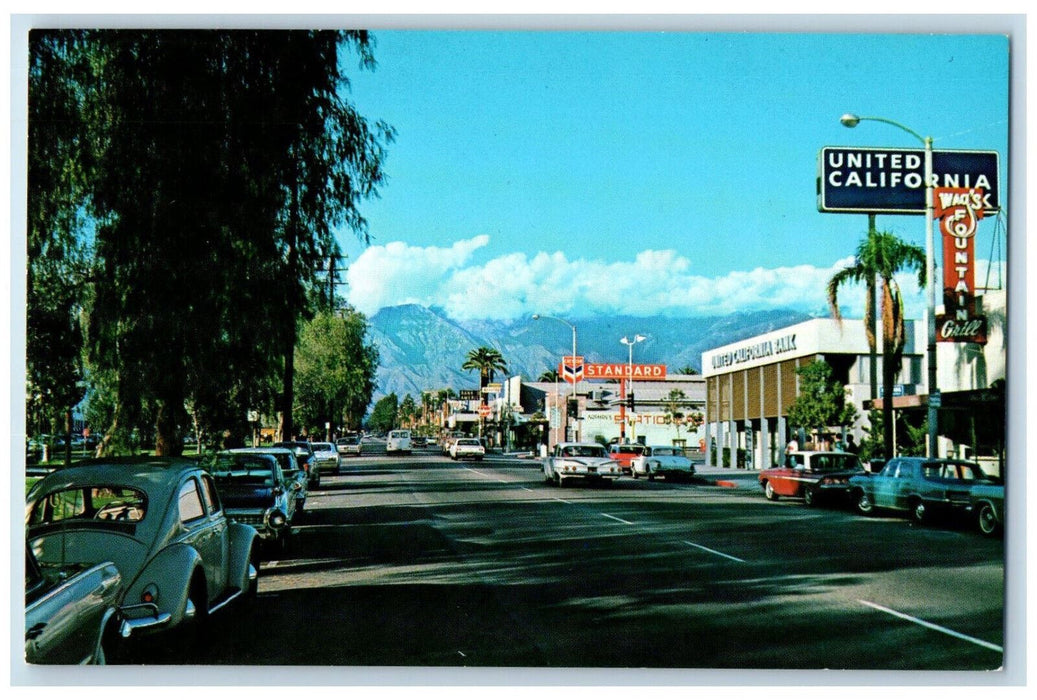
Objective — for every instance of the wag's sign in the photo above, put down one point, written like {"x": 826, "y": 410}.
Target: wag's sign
{"x": 959, "y": 211}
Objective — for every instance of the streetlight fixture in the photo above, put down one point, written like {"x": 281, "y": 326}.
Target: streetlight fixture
{"x": 629, "y": 378}
{"x": 851, "y": 120}
{"x": 537, "y": 317}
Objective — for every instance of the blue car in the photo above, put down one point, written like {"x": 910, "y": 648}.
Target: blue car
{"x": 920, "y": 487}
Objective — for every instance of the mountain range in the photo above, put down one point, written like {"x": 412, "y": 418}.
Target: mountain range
{"x": 422, "y": 349}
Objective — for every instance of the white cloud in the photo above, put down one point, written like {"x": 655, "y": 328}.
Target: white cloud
{"x": 655, "y": 282}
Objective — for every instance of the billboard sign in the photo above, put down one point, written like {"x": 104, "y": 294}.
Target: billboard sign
{"x": 621, "y": 370}
{"x": 959, "y": 211}
{"x": 892, "y": 180}
{"x": 571, "y": 368}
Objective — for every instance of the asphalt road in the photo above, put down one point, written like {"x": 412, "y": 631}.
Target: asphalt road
{"x": 420, "y": 561}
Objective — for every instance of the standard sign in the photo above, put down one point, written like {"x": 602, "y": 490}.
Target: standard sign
{"x": 892, "y": 181}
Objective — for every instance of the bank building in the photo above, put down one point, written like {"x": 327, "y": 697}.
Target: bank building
{"x": 751, "y": 384}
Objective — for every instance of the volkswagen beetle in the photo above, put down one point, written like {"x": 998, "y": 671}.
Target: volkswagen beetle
{"x": 162, "y": 525}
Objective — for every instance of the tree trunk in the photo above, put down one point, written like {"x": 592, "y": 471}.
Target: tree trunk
{"x": 168, "y": 442}
{"x": 68, "y": 437}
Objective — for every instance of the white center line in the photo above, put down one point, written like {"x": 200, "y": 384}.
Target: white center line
{"x": 625, "y": 522}
{"x": 713, "y": 551}
{"x": 930, "y": 625}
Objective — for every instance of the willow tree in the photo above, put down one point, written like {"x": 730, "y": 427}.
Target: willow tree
{"x": 219, "y": 164}
{"x": 881, "y": 256}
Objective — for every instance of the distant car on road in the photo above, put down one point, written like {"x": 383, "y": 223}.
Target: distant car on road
{"x": 349, "y": 445}
{"x": 587, "y": 461}
{"x": 71, "y": 612}
{"x": 398, "y": 442}
{"x": 811, "y": 475}
{"x": 467, "y": 448}
{"x": 662, "y": 460}
{"x": 625, "y": 454}
{"x": 160, "y": 522}
{"x": 919, "y": 486}
{"x": 326, "y": 456}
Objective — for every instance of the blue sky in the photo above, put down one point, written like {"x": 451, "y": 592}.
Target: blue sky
{"x": 585, "y": 173}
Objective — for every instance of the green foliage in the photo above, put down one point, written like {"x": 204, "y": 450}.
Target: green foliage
{"x": 335, "y": 369}
{"x": 882, "y": 256}
{"x": 384, "y": 414}
{"x": 821, "y": 402}
{"x": 486, "y": 361}
{"x": 674, "y": 405}
{"x": 188, "y": 183}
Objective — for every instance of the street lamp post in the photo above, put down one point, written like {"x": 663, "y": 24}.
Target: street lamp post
{"x": 850, "y": 121}
{"x": 537, "y": 317}
{"x": 625, "y": 387}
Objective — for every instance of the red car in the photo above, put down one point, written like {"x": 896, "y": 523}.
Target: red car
{"x": 625, "y": 454}
{"x": 811, "y": 476}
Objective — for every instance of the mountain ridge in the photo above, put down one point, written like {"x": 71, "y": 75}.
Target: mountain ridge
{"x": 422, "y": 349}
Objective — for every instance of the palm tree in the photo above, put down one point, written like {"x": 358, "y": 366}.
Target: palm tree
{"x": 486, "y": 361}
{"x": 881, "y": 256}
{"x": 550, "y": 375}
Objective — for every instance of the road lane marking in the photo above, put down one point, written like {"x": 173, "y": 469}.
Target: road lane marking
{"x": 713, "y": 551}
{"x": 930, "y": 625}
{"x": 625, "y": 522}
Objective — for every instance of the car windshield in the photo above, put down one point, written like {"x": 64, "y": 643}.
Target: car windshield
{"x": 243, "y": 469}
{"x": 348, "y": 440}
{"x": 88, "y": 503}
{"x": 583, "y": 451}
{"x": 468, "y": 442}
{"x": 666, "y": 451}
{"x": 835, "y": 463}
{"x": 323, "y": 447}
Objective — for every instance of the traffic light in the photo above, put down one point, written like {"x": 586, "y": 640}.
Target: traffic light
{"x": 630, "y": 401}
{"x": 572, "y": 406}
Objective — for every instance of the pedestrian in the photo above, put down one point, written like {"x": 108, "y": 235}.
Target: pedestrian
{"x": 793, "y": 446}
{"x": 851, "y": 446}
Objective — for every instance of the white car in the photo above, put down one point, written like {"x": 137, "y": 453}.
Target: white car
{"x": 467, "y": 448}
{"x": 580, "y": 460}
{"x": 326, "y": 456}
{"x": 662, "y": 460}
{"x": 349, "y": 445}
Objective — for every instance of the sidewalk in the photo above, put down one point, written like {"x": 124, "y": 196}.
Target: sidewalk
{"x": 730, "y": 478}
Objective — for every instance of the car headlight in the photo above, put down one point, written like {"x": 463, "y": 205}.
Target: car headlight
{"x": 276, "y": 518}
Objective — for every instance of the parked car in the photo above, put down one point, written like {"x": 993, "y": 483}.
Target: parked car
{"x": 447, "y": 441}
{"x": 291, "y": 469}
{"x": 255, "y": 490}
{"x": 419, "y": 441}
{"x": 988, "y": 503}
{"x": 326, "y": 456}
{"x": 304, "y": 455}
{"x": 349, "y": 445}
{"x": 161, "y": 523}
{"x": 919, "y": 486}
{"x": 71, "y": 611}
{"x": 662, "y": 460}
{"x": 398, "y": 442}
{"x": 812, "y": 476}
{"x": 467, "y": 448}
{"x": 580, "y": 460}
{"x": 625, "y": 454}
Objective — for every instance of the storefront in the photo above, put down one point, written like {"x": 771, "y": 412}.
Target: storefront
{"x": 751, "y": 384}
